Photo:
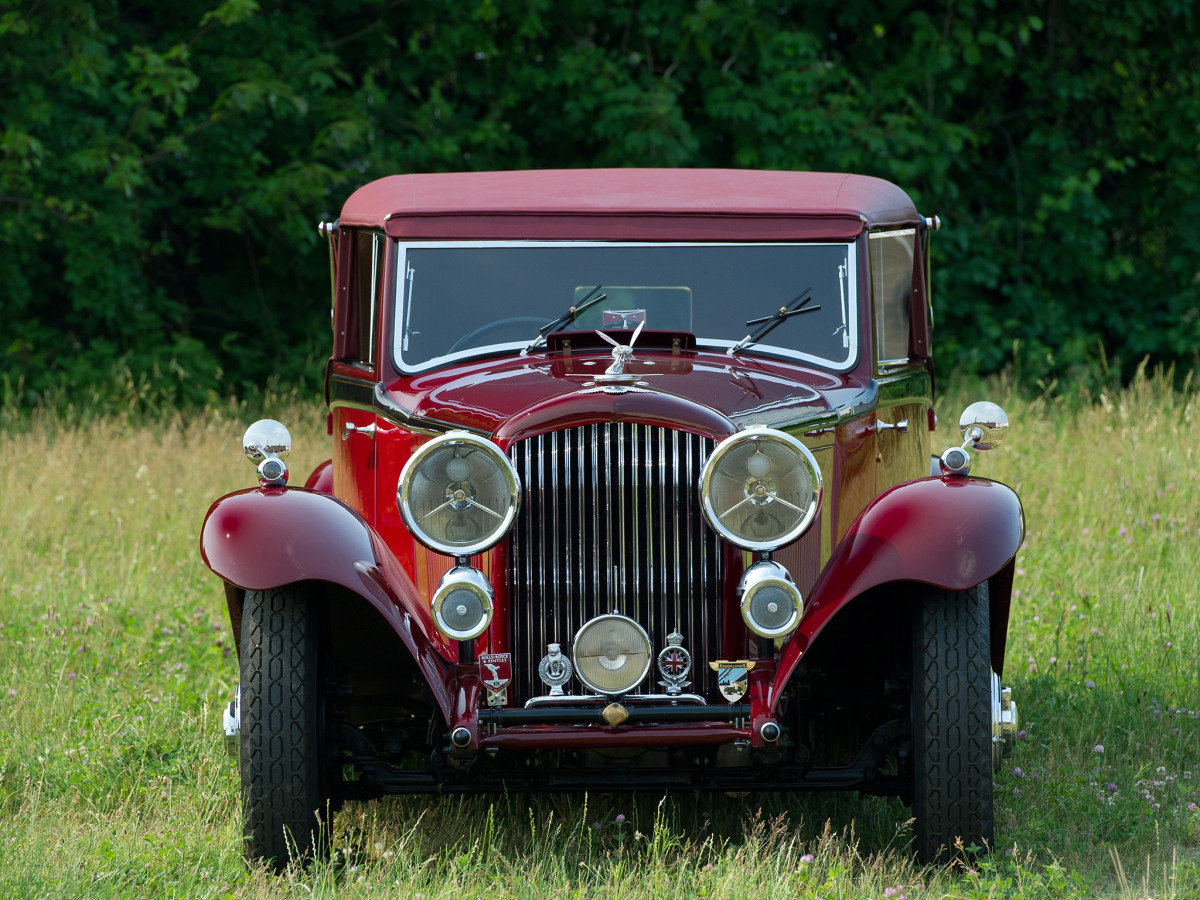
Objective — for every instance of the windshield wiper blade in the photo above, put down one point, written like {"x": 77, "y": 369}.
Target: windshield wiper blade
{"x": 591, "y": 299}
{"x": 769, "y": 323}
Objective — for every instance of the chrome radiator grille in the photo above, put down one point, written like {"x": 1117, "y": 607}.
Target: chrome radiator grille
{"x": 610, "y": 521}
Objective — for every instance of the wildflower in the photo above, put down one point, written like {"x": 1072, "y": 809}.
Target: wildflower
{"x": 1192, "y": 807}
{"x": 1022, "y": 734}
{"x": 806, "y": 858}
{"x": 1121, "y": 532}
{"x": 620, "y": 818}
{"x": 1099, "y": 748}
{"x": 1018, "y": 772}
{"x": 1111, "y": 786}
{"x": 1089, "y": 684}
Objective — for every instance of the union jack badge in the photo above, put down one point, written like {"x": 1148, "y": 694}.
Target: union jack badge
{"x": 674, "y": 663}
{"x": 732, "y": 677}
{"x": 497, "y": 677}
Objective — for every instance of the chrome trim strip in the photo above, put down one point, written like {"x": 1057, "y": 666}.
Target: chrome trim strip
{"x": 862, "y": 403}
{"x": 570, "y": 699}
{"x": 354, "y": 394}
{"x": 519, "y": 548}
{"x": 910, "y": 383}
{"x": 595, "y": 467}
{"x": 675, "y": 505}
{"x": 608, "y": 509}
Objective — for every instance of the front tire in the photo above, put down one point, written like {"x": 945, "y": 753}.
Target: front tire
{"x": 283, "y": 762}
{"x": 951, "y": 723}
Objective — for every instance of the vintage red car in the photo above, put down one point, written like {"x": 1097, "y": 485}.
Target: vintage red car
{"x": 630, "y": 488}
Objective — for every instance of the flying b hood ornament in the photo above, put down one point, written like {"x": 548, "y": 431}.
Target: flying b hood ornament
{"x": 622, "y": 355}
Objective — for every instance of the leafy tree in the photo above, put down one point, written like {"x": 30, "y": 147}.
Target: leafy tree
{"x": 163, "y": 167}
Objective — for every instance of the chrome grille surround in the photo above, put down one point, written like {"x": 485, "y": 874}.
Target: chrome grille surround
{"x": 610, "y": 521}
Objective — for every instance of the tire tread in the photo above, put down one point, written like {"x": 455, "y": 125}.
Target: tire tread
{"x": 280, "y": 757}
{"x": 952, "y": 798}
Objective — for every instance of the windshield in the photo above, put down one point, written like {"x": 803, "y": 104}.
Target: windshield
{"x": 459, "y": 299}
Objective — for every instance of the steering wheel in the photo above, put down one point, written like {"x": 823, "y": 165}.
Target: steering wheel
{"x": 522, "y": 324}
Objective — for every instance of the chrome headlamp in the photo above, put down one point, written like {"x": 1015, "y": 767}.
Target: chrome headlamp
{"x": 611, "y": 654}
{"x": 458, "y": 494}
{"x": 462, "y": 604}
{"x": 771, "y": 602}
{"x": 760, "y": 489}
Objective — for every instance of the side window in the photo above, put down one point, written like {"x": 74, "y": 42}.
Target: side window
{"x": 355, "y": 319}
{"x": 891, "y": 291}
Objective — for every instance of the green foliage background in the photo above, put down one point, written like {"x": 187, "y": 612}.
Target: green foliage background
{"x": 163, "y": 166}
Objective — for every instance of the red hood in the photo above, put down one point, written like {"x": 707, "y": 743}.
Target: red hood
{"x": 705, "y": 393}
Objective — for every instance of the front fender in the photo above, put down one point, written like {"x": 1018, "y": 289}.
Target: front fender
{"x": 953, "y": 533}
{"x": 267, "y": 537}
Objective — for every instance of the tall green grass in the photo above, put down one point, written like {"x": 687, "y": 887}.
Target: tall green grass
{"x": 115, "y": 652}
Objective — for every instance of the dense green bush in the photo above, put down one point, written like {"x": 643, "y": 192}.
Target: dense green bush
{"x": 163, "y": 167}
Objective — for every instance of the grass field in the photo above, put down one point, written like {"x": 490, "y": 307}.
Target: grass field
{"x": 115, "y": 651}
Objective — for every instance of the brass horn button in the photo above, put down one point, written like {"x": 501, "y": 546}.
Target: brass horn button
{"x": 614, "y": 714}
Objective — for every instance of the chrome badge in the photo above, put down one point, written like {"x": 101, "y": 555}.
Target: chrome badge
{"x": 497, "y": 678}
{"x": 674, "y": 664}
{"x": 732, "y": 677}
{"x": 555, "y": 670}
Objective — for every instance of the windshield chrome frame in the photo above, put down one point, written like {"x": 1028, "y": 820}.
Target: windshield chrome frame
{"x": 720, "y": 345}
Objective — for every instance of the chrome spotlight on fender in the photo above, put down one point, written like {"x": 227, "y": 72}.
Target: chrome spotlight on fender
{"x": 268, "y": 443}
{"x": 771, "y": 602}
{"x": 462, "y": 604}
{"x": 983, "y": 426}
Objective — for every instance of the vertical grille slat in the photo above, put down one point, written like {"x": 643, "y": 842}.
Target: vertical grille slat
{"x": 612, "y": 513}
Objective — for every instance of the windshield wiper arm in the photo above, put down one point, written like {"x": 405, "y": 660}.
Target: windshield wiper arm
{"x": 591, "y": 299}
{"x": 769, "y": 323}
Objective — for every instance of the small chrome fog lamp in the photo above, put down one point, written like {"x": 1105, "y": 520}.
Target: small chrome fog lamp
{"x": 771, "y": 602}
{"x": 611, "y": 654}
{"x": 983, "y": 426}
{"x": 458, "y": 494}
{"x": 760, "y": 488}
{"x": 462, "y": 603}
{"x": 268, "y": 443}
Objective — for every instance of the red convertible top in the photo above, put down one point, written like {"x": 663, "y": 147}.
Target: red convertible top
{"x": 635, "y": 204}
